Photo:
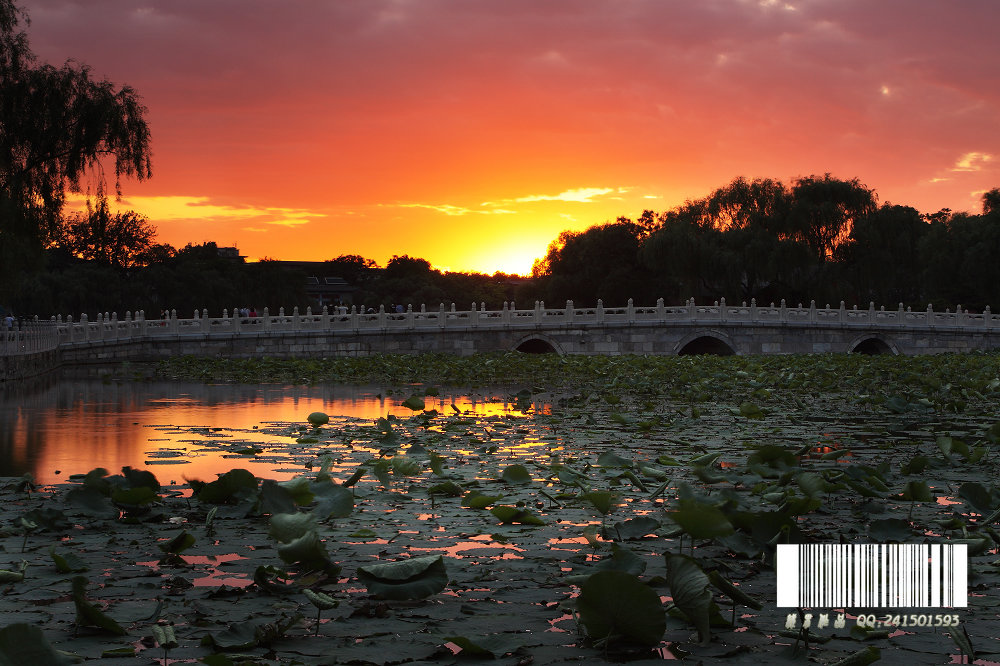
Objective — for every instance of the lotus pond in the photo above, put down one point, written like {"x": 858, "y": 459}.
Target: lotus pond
{"x": 603, "y": 509}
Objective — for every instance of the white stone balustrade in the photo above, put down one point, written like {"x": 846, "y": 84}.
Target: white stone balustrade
{"x": 137, "y": 326}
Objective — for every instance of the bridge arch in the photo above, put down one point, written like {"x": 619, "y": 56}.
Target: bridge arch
{"x": 538, "y": 343}
{"x": 714, "y": 343}
{"x": 872, "y": 345}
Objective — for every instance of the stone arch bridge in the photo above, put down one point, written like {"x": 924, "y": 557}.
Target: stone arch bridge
{"x": 662, "y": 330}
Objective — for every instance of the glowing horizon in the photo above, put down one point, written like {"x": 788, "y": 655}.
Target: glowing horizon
{"x": 471, "y": 134}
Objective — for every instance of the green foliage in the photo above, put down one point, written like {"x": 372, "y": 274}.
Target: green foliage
{"x": 234, "y": 486}
{"x": 414, "y": 578}
{"x": 615, "y": 606}
{"x": 516, "y": 475}
{"x": 318, "y": 418}
{"x": 88, "y": 614}
{"x": 689, "y": 589}
{"x": 23, "y": 643}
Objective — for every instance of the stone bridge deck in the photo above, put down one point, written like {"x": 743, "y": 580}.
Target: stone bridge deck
{"x": 659, "y": 329}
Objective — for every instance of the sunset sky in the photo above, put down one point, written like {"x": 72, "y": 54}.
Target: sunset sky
{"x": 471, "y": 132}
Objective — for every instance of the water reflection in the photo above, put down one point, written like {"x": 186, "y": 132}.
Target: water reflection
{"x": 54, "y": 428}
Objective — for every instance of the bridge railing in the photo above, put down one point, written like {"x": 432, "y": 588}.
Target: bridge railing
{"x": 109, "y": 327}
{"x": 29, "y": 337}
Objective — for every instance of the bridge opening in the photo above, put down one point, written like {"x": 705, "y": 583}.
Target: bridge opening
{"x": 706, "y": 344}
{"x": 536, "y": 346}
{"x": 872, "y": 346}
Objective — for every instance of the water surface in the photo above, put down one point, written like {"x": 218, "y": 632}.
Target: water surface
{"x": 57, "y": 427}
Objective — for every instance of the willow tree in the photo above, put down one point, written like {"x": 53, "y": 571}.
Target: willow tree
{"x": 60, "y": 131}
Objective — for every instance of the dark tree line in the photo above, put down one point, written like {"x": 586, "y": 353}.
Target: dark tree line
{"x": 197, "y": 277}
{"x": 819, "y": 238}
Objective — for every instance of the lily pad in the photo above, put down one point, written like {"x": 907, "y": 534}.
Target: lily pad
{"x": 415, "y": 578}
{"x": 517, "y": 475}
{"x": 318, "y": 418}
{"x": 616, "y": 606}
{"x": 23, "y": 643}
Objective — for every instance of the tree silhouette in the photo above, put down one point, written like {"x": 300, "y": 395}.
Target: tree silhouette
{"x": 58, "y": 127}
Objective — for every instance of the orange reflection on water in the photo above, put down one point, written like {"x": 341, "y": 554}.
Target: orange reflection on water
{"x": 175, "y": 429}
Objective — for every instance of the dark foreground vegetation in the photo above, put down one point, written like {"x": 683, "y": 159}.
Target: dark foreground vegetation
{"x": 941, "y": 379}
{"x": 623, "y": 509}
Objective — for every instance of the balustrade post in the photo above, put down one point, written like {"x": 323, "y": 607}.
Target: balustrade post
{"x": 784, "y": 311}
{"x": 267, "y": 319}
{"x": 237, "y": 321}
{"x": 987, "y": 318}
{"x": 929, "y": 314}
{"x": 441, "y": 315}
{"x": 505, "y": 314}
{"x": 959, "y": 319}
{"x": 630, "y": 311}
{"x": 409, "y": 316}
{"x": 692, "y": 312}
{"x": 723, "y": 315}
{"x": 474, "y": 315}
{"x": 381, "y": 316}
{"x": 661, "y": 310}
{"x": 812, "y": 311}
{"x": 600, "y": 311}
{"x": 568, "y": 316}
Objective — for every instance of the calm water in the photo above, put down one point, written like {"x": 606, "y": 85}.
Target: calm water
{"x": 56, "y": 427}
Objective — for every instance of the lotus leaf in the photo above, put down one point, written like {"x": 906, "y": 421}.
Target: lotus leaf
{"x": 405, "y": 466}
{"x": 415, "y": 403}
{"x": 178, "y": 544}
{"x": 700, "y": 520}
{"x": 616, "y": 606}
{"x": 318, "y": 418}
{"x": 513, "y": 514}
{"x": 517, "y": 475}
{"x": 231, "y": 487}
{"x": 414, "y": 578}
{"x": 287, "y": 527}
{"x": 612, "y": 459}
{"x": 603, "y": 500}
{"x": 67, "y": 562}
{"x": 689, "y": 590}
{"x": 637, "y": 528}
{"x": 332, "y": 500}
{"x": 622, "y": 559}
{"x": 307, "y": 550}
{"x": 87, "y": 614}
{"x": 22, "y": 643}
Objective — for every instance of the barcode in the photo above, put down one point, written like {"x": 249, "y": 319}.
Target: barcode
{"x": 872, "y": 575}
